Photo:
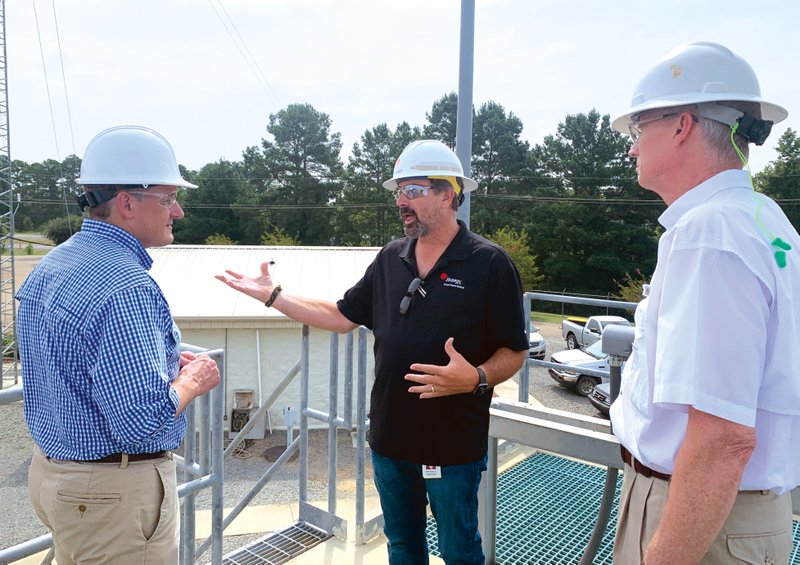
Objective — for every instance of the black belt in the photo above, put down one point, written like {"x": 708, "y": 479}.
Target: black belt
{"x": 641, "y": 468}
{"x": 117, "y": 457}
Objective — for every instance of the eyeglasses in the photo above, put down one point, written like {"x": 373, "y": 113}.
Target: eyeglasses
{"x": 168, "y": 199}
{"x": 635, "y": 129}
{"x": 405, "y": 303}
{"x": 411, "y": 191}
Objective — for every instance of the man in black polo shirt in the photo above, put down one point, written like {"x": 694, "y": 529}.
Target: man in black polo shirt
{"x": 445, "y": 307}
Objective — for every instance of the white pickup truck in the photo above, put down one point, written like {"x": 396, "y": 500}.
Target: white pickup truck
{"x": 580, "y": 332}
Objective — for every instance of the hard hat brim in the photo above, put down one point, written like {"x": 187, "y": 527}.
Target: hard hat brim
{"x": 769, "y": 111}
{"x": 180, "y": 183}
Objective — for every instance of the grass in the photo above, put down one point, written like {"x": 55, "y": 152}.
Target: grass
{"x": 547, "y": 317}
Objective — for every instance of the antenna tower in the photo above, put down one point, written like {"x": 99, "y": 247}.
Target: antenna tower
{"x": 8, "y": 315}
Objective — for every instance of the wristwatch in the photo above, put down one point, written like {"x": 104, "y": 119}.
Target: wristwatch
{"x": 483, "y": 386}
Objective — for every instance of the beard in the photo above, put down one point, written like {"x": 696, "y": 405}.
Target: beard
{"x": 415, "y": 228}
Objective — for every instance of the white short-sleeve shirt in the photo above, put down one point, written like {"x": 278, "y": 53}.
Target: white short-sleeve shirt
{"x": 718, "y": 331}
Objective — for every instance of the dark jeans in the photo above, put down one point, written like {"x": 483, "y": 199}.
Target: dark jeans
{"x": 404, "y": 495}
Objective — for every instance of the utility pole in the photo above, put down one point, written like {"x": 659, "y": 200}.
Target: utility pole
{"x": 464, "y": 111}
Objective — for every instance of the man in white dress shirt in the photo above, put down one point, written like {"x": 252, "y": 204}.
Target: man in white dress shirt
{"x": 709, "y": 408}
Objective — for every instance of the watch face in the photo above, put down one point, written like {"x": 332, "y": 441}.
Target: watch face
{"x": 480, "y": 389}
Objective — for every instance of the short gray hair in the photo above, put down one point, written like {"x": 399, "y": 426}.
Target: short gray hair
{"x": 717, "y": 135}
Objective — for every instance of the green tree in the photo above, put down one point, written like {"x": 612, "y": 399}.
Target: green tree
{"x": 631, "y": 288}
{"x": 219, "y": 239}
{"x": 499, "y": 156}
{"x": 59, "y": 230}
{"x": 442, "y": 120}
{"x": 277, "y": 237}
{"x": 597, "y": 224}
{"x": 297, "y": 174}
{"x": 780, "y": 179}
{"x": 366, "y": 213}
{"x": 515, "y": 242}
{"x": 501, "y": 166}
{"x": 47, "y": 190}
{"x": 211, "y": 208}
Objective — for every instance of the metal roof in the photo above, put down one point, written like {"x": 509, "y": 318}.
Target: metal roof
{"x": 185, "y": 273}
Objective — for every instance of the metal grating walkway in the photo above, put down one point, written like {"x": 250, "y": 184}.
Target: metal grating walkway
{"x": 278, "y": 547}
{"x": 546, "y": 509}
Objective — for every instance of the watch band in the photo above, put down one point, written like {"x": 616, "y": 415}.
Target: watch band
{"x": 483, "y": 384}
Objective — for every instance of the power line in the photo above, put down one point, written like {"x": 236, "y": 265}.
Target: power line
{"x": 241, "y": 46}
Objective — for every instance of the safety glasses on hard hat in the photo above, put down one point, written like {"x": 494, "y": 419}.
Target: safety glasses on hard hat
{"x": 411, "y": 191}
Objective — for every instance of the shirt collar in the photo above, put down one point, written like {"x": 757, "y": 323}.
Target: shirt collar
{"x": 459, "y": 248}
{"x": 120, "y": 237}
{"x": 704, "y": 192}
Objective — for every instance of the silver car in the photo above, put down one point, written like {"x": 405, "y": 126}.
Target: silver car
{"x": 601, "y": 397}
{"x": 538, "y": 346}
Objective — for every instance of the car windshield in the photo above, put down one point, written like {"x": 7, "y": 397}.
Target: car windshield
{"x": 596, "y": 350}
{"x": 534, "y": 329}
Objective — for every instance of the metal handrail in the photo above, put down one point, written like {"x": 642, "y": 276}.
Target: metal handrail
{"x": 210, "y": 473}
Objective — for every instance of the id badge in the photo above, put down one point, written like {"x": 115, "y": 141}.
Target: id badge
{"x": 431, "y": 472}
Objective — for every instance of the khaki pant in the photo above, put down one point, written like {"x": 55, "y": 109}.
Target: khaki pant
{"x": 757, "y": 531}
{"x": 107, "y": 513}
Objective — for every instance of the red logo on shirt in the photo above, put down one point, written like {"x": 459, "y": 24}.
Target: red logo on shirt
{"x": 443, "y": 276}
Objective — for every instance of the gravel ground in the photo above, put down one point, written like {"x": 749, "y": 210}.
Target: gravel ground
{"x": 542, "y": 386}
{"x": 19, "y": 522}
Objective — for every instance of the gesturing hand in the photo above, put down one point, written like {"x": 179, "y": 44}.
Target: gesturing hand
{"x": 457, "y": 377}
{"x": 258, "y": 287}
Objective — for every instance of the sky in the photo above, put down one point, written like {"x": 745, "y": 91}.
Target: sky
{"x": 207, "y": 74}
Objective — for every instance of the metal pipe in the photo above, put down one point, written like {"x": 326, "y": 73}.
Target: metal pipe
{"x": 188, "y": 532}
{"x": 348, "y": 382}
{"x": 303, "y": 464}
{"x": 610, "y": 486}
{"x": 333, "y": 398}
{"x": 218, "y": 465}
{"x": 361, "y": 433}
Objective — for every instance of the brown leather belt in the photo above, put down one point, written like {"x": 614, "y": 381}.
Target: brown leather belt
{"x": 117, "y": 457}
{"x": 640, "y": 468}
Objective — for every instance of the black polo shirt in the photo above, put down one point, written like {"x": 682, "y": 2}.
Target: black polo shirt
{"x": 472, "y": 294}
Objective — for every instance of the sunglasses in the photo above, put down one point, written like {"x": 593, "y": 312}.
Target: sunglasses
{"x": 405, "y": 303}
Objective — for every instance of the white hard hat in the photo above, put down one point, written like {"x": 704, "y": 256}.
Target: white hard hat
{"x": 428, "y": 158}
{"x": 133, "y": 155}
{"x": 694, "y": 73}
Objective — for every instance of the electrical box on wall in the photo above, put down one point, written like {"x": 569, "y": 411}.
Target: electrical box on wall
{"x": 243, "y": 408}
{"x": 239, "y": 418}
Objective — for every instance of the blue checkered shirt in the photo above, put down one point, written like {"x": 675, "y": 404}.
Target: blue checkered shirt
{"x": 99, "y": 349}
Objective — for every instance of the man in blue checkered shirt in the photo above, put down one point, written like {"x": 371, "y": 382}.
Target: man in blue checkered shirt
{"x": 105, "y": 384}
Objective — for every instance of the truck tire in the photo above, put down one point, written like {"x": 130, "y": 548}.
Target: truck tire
{"x": 572, "y": 343}
{"x": 585, "y": 385}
